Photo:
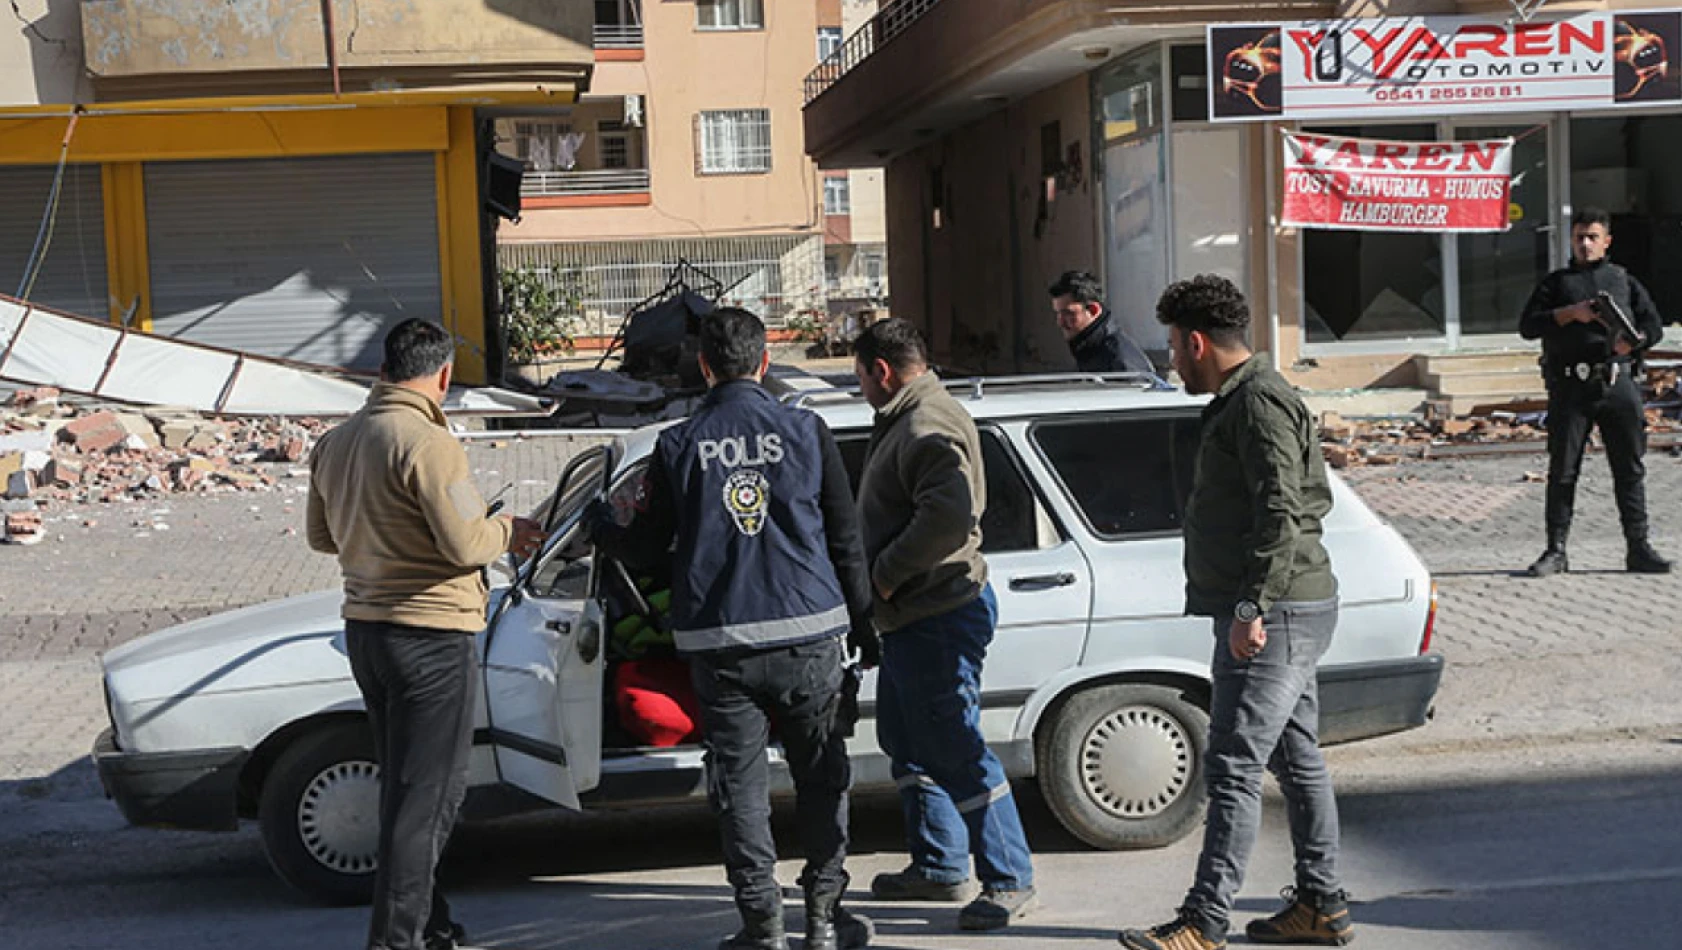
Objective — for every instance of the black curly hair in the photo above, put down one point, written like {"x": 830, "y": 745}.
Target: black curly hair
{"x": 1208, "y": 304}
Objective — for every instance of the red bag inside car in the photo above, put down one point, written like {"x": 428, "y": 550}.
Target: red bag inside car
{"x": 656, "y": 702}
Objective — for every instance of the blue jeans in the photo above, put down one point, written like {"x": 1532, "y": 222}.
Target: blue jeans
{"x": 928, "y": 720}
{"x": 1265, "y": 713}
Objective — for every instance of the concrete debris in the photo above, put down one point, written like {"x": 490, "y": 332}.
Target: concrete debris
{"x": 55, "y": 454}
{"x": 24, "y": 527}
{"x": 1515, "y": 425}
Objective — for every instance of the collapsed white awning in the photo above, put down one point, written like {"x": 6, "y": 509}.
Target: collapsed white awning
{"x": 47, "y": 348}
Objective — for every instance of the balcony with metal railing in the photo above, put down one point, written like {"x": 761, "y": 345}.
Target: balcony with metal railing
{"x": 618, "y": 36}
{"x": 610, "y": 181}
{"x": 888, "y": 23}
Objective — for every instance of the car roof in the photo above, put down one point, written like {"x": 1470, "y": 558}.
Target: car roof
{"x": 986, "y": 398}
{"x": 999, "y": 398}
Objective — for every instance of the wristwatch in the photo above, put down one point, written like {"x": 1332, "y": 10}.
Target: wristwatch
{"x": 1246, "y": 611}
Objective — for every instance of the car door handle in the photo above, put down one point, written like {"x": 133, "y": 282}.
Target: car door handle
{"x": 590, "y": 642}
{"x": 1042, "y": 581}
{"x": 562, "y": 627}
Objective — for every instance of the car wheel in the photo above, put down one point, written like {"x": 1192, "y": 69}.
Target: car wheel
{"x": 1122, "y": 766}
{"x": 320, "y": 814}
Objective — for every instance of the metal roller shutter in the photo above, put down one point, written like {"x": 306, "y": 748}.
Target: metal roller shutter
{"x": 73, "y": 275}
{"x": 309, "y": 259}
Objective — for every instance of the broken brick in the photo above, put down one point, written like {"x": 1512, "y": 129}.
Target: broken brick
{"x": 176, "y": 433}
{"x": 24, "y": 527}
{"x": 95, "y": 433}
{"x": 1455, "y": 428}
{"x": 292, "y": 449}
{"x": 140, "y": 427}
{"x": 1335, "y": 428}
{"x": 1339, "y": 456}
{"x": 62, "y": 473}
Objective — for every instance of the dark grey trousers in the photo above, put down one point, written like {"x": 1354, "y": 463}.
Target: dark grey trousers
{"x": 740, "y": 695}
{"x": 418, "y": 685}
{"x": 1265, "y": 714}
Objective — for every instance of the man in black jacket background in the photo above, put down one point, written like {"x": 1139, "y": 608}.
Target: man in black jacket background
{"x": 1589, "y": 363}
{"x": 1094, "y": 334}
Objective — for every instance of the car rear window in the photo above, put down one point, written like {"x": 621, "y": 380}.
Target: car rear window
{"x": 1127, "y": 476}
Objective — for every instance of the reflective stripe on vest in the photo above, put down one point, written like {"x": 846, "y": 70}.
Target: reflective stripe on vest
{"x": 762, "y": 633}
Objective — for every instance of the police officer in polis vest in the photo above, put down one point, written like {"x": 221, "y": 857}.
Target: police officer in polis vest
{"x": 1594, "y": 321}
{"x": 768, "y": 583}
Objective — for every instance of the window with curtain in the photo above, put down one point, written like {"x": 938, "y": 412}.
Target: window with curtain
{"x": 733, "y": 141}
{"x": 730, "y": 14}
{"x": 836, "y": 195}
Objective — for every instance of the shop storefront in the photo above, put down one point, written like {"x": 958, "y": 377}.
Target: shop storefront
{"x": 1188, "y": 147}
{"x": 299, "y": 227}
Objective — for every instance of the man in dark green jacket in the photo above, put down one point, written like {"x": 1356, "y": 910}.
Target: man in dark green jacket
{"x": 1255, "y": 565}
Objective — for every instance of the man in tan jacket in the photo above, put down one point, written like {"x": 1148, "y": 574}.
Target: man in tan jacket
{"x": 392, "y": 495}
{"x": 920, "y": 502}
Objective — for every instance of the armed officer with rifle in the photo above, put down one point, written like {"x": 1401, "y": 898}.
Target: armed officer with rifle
{"x": 1594, "y": 321}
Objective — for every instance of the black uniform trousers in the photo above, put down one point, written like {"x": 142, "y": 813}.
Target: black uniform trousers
{"x": 742, "y": 693}
{"x": 418, "y": 685}
{"x": 1574, "y": 407}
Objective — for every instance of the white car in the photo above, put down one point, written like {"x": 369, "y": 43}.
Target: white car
{"x": 1096, "y": 685}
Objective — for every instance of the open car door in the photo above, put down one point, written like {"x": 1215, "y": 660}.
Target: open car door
{"x": 543, "y": 651}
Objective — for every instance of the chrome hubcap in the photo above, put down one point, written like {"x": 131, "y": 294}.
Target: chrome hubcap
{"x": 339, "y": 817}
{"x": 1136, "y": 762}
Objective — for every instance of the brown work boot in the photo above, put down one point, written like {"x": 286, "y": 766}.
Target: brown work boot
{"x": 1182, "y": 933}
{"x": 1309, "y": 917}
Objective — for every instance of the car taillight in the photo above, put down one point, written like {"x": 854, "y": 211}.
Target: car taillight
{"x": 1430, "y": 622}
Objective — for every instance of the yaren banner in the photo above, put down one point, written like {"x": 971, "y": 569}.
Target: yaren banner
{"x": 1443, "y": 65}
{"x": 1368, "y": 185}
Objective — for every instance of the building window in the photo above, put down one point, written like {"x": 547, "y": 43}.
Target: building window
{"x": 613, "y": 146}
{"x": 829, "y": 42}
{"x": 730, "y": 14}
{"x": 832, "y": 270}
{"x": 733, "y": 141}
{"x": 545, "y": 146}
{"x": 873, "y": 268}
{"x": 836, "y": 195}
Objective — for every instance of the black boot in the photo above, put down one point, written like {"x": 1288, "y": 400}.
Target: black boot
{"x": 830, "y": 927}
{"x": 1553, "y": 560}
{"x": 1642, "y": 559}
{"x": 760, "y": 931}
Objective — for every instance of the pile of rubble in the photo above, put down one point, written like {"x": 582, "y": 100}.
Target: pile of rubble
{"x": 1349, "y": 442}
{"x": 1517, "y": 425}
{"x": 54, "y": 453}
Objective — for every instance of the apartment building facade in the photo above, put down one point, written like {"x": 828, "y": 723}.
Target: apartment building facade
{"x": 1025, "y": 138}
{"x": 855, "y": 213}
{"x": 290, "y": 185}
{"x": 688, "y": 146}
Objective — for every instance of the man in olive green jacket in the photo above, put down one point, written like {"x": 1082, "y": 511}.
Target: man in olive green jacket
{"x": 392, "y": 495}
{"x": 1255, "y": 566}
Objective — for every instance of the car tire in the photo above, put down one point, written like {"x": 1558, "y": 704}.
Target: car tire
{"x": 319, "y": 814}
{"x": 1121, "y": 767}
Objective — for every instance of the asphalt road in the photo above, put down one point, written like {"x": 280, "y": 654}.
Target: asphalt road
{"x": 1552, "y": 847}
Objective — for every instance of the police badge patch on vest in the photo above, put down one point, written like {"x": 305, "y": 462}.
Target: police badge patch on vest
{"x": 746, "y": 496}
